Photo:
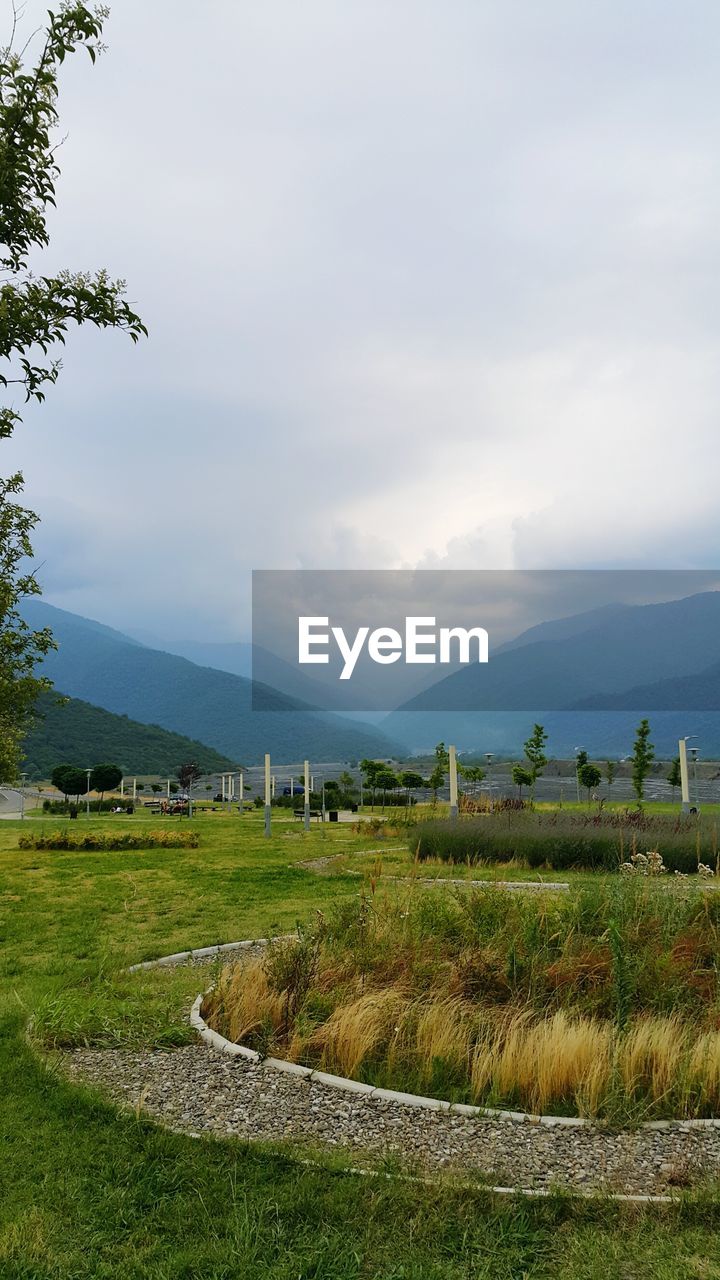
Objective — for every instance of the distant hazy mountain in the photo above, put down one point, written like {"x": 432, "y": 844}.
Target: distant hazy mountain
{"x": 683, "y": 693}
{"x": 232, "y": 656}
{"x": 639, "y": 645}
{"x": 109, "y": 670}
{"x": 78, "y": 733}
{"x": 587, "y": 678}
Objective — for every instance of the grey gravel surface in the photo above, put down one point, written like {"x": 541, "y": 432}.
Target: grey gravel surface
{"x": 199, "y": 1091}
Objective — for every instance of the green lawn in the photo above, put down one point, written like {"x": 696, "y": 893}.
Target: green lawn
{"x": 88, "y": 1192}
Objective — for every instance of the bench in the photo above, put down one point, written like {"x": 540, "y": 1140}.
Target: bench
{"x": 314, "y": 813}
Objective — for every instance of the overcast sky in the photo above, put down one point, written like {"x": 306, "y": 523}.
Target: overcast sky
{"x": 427, "y": 284}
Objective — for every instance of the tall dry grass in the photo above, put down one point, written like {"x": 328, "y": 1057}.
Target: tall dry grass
{"x": 603, "y": 1002}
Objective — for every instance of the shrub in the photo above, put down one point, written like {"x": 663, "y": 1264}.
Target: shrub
{"x": 104, "y": 841}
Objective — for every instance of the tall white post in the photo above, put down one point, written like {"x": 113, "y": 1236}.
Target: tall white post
{"x": 241, "y": 789}
{"x": 272, "y": 787}
{"x": 134, "y": 790}
{"x": 122, "y": 788}
{"x": 306, "y": 814}
{"x": 684, "y": 780}
{"x": 453, "y": 782}
{"x": 268, "y": 797}
{"x": 168, "y": 789}
{"x": 222, "y": 785}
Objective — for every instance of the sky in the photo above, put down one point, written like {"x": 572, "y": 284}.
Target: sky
{"x": 428, "y": 286}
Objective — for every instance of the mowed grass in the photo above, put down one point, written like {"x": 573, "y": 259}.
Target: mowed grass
{"x": 86, "y": 1191}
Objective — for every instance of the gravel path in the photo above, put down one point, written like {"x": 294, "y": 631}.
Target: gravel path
{"x": 199, "y": 1091}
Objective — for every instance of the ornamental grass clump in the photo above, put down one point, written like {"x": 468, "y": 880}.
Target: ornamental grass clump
{"x": 604, "y": 1001}
{"x": 563, "y": 841}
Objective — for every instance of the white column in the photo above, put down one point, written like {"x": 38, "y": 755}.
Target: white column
{"x": 452, "y": 762}
{"x": 306, "y": 814}
{"x": 134, "y": 789}
{"x": 241, "y": 789}
{"x": 684, "y": 780}
{"x": 272, "y": 783}
{"x": 268, "y": 796}
{"x": 122, "y": 788}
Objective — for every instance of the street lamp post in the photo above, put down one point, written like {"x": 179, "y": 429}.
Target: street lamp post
{"x": 488, "y": 761}
{"x": 23, "y": 776}
{"x": 87, "y": 794}
{"x": 306, "y": 806}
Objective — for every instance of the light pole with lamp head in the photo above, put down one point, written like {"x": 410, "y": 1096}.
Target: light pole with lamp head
{"x": 87, "y": 794}
{"x": 488, "y": 761}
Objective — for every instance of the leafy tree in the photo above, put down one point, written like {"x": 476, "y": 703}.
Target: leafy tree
{"x": 386, "y": 781}
{"x": 522, "y": 777}
{"x": 590, "y": 778}
{"x": 472, "y": 773}
{"x": 674, "y": 776}
{"x": 62, "y": 777}
{"x": 154, "y": 787}
{"x": 435, "y": 781}
{"x": 534, "y": 750}
{"x": 69, "y": 779}
{"x": 347, "y": 782}
{"x": 370, "y": 770}
{"x": 610, "y": 771}
{"x": 36, "y": 312}
{"x": 642, "y": 758}
{"x": 174, "y": 788}
{"x": 188, "y": 774}
{"x": 411, "y": 782}
{"x": 105, "y": 777}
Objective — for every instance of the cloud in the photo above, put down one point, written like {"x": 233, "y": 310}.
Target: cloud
{"x": 427, "y": 286}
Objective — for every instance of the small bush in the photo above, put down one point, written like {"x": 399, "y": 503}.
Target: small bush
{"x": 105, "y": 841}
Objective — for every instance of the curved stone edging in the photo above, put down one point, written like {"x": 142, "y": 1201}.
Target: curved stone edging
{"x": 348, "y": 1085}
{"x": 199, "y": 953}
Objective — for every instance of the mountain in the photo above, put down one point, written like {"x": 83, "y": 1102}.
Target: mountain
{"x": 683, "y": 693}
{"x": 639, "y": 645}
{"x": 587, "y": 679}
{"x": 109, "y": 670}
{"x": 78, "y": 733}
{"x": 232, "y": 656}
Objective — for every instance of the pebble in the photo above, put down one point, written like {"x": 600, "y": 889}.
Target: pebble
{"x": 195, "y": 1089}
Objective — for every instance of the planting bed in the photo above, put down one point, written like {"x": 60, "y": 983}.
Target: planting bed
{"x": 600, "y": 1002}
{"x": 569, "y": 840}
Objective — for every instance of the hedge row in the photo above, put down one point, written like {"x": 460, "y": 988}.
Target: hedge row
{"x": 122, "y": 840}
{"x": 564, "y": 844}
